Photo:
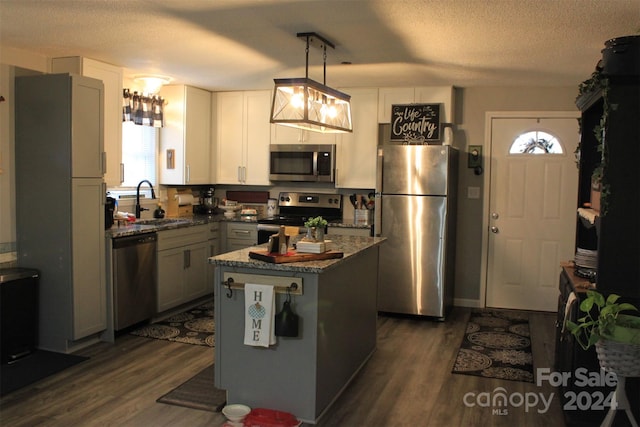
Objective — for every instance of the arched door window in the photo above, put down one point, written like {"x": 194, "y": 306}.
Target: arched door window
{"x": 536, "y": 142}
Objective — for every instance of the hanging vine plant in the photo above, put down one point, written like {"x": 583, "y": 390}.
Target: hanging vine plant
{"x": 599, "y": 177}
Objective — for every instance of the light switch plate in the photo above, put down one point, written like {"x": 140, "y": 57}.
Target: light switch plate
{"x": 473, "y": 192}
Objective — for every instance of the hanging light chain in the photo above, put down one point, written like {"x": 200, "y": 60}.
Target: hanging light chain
{"x": 324, "y": 60}
{"x": 306, "y": 67}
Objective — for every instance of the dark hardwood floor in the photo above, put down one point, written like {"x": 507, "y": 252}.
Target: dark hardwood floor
{"x": 407, "y": 382}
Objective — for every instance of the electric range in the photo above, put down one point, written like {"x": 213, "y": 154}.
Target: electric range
{"x": 296, "y": 208}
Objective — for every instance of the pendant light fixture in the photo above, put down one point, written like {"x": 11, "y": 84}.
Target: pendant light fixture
{"x": 306, "y": 104}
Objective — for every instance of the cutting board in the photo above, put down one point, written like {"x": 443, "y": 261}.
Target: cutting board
{"x": 293, "y": 256}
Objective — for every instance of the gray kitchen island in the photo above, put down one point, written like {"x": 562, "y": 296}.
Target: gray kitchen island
{"x": 336, "y": 303}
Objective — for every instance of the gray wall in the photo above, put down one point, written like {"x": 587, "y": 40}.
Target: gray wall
{"x": 472, "y": 106}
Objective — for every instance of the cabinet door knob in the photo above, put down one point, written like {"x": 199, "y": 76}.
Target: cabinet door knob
{"x": 495, "y": 215}
{"x": 495, "y": 230}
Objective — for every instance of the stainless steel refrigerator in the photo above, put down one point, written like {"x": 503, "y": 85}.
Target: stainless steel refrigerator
{"x": 416, "y": 212}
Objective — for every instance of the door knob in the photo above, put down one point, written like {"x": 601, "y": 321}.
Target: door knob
{"x": 495, "y": 215}
{"x": 494, "y": 230}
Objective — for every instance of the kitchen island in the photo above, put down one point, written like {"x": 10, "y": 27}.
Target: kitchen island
{"x": 337, "y": 312}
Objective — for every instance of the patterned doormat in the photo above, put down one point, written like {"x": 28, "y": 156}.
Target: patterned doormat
{"x": 194, "y": 326}
{"x": 496, "y": 344}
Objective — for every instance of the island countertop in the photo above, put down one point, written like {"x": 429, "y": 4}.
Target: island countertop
{"x": 349, "y": 245}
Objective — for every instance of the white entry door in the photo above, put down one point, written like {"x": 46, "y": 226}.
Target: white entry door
{"x": 532, "y": 210}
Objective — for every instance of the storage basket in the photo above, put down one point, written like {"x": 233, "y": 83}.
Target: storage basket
{"x": 621, "y": 358}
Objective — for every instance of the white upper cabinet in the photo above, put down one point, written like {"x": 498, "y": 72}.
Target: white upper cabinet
{"x": 243, "y": 137}
{"x": 438, "y": 94}
{"x": 393, "y": 95}
{"x": 185, "y": 139}
{"x": 357, "y": 151}
{"x": 288, "y": 135}
{"x": 111, "y": 77}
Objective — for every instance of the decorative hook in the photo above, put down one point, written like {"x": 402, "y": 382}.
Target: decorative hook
{"x": 289, "y": 293}
{"x": 228, "y": 284}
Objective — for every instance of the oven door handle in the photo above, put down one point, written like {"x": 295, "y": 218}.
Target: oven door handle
{"x": 268, "y": 227}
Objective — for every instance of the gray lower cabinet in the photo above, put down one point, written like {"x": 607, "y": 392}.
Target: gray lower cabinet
{"x": 214, "y": 249}
{"x": 182, "y": 265}
{"x": 241, "y": 235}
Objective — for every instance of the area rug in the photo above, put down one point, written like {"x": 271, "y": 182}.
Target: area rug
{"x": 34, "y": 367}
{"x": 194, "y": 326}
{"x": 197, "y": 393}
{"x": 496, "y": 344}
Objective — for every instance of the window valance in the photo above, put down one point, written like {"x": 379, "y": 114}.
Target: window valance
{"x": 142, "y": 109}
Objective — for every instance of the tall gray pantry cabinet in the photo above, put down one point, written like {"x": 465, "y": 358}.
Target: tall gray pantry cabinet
{"x": 60, "y": 196}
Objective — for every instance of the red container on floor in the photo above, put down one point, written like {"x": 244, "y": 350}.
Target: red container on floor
{"x": 260, "y": 417}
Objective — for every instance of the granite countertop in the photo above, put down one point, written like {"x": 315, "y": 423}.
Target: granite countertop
{"x": 349, "y": 245}
{"x": 142, "y": 226}
{"x": 349, "y": 225}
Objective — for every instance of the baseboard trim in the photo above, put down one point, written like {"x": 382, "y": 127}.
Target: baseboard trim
{"x": 464, "y": 302}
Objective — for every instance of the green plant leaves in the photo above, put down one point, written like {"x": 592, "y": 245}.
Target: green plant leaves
{"x": 588, "y": 330}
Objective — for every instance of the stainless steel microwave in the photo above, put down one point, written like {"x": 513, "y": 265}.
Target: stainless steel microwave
{"x": 302, "y": 162}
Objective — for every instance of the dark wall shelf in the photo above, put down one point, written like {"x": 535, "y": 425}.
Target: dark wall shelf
{"x": 618, "y": 242}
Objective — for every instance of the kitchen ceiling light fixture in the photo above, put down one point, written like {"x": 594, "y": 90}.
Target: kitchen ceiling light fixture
{"x": 152, "y": 83}
{"x": 306, "y": 104}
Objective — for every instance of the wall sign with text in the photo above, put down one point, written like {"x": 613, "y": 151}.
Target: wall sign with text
{"x": 415, "y": 123}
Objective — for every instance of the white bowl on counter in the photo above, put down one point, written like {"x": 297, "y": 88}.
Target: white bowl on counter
{"x": 230, "y": 210}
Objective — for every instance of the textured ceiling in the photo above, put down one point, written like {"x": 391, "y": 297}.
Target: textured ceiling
{"x": 244, "y": 44}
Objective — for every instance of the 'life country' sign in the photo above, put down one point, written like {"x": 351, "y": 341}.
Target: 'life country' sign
{"x": 415, "y": 123}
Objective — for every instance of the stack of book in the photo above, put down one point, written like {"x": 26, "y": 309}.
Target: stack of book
{"x": 311, "y": 247}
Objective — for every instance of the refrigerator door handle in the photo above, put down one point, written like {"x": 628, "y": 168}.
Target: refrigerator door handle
{"x": 377, "y": 216}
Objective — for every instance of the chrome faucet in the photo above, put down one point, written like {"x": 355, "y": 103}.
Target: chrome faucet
{"x": 153, "y": 196}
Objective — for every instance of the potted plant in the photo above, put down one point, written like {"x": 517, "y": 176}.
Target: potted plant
{"x": 617, "y": 340}
{"x": 315, "y": 229}
{"x": 607, "y": 322}
{"x": 616, "y": 336}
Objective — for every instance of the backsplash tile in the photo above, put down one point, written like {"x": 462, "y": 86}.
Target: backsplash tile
{"x": 8, "y": 255}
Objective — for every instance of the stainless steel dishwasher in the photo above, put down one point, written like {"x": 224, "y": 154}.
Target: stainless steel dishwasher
{"x": 134, "y": 279}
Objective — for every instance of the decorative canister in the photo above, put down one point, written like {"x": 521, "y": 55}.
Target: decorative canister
{"x": 272, "y": 205}
{"x": 362, "y": 217}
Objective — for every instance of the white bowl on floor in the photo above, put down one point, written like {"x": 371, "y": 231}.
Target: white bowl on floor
{"x": 236, "y": 413}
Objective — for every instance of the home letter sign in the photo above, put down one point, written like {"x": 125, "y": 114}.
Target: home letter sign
{"x": 415, "y": 123}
